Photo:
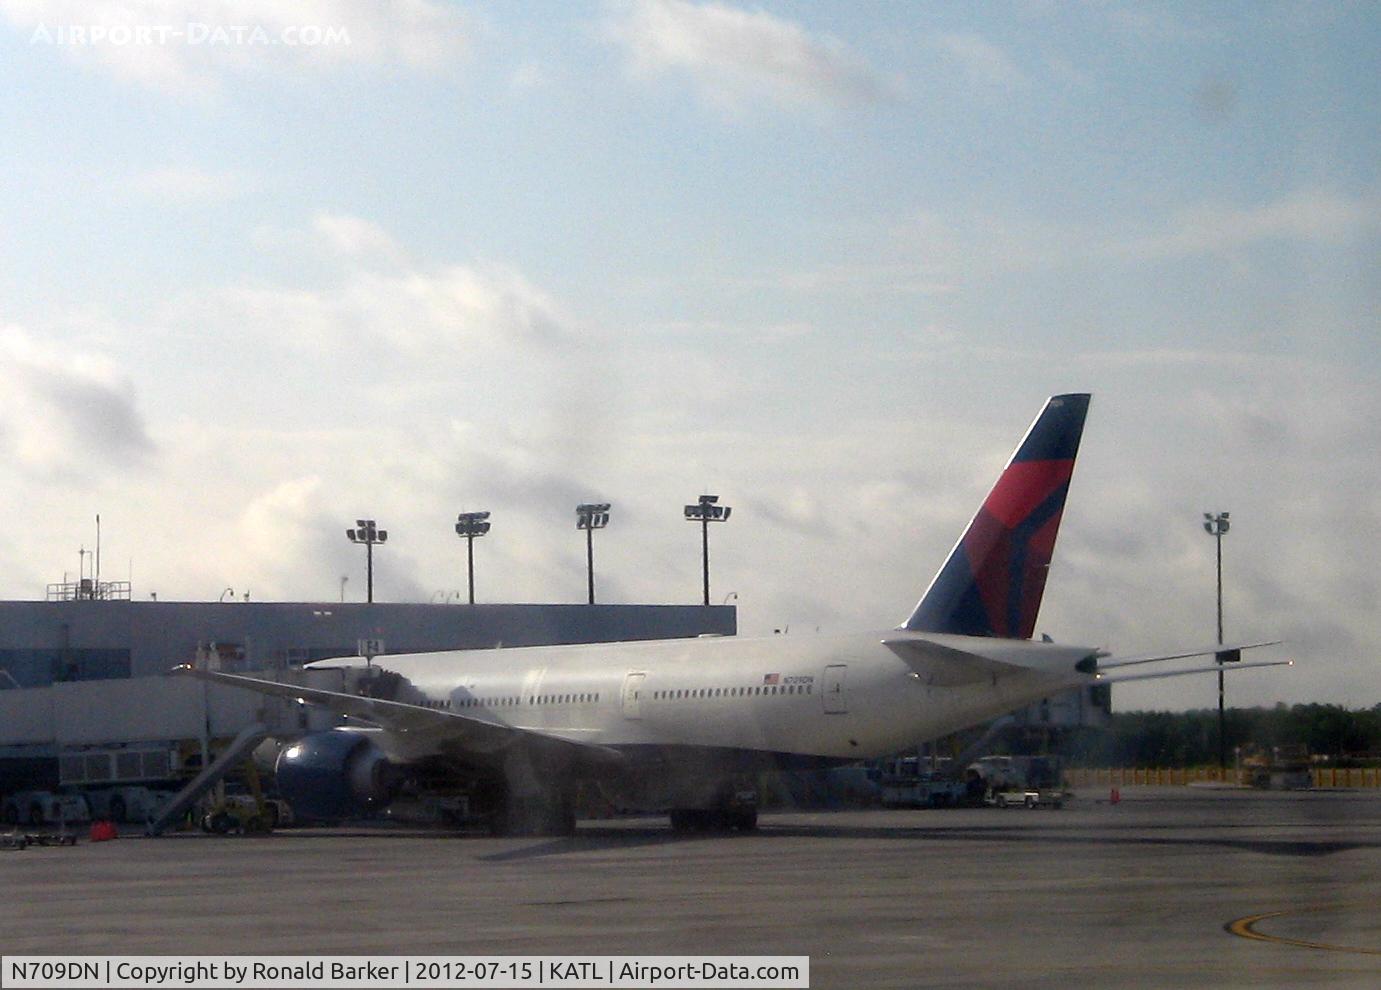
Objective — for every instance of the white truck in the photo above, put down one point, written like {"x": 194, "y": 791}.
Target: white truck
{"x": 1020, "y": 781}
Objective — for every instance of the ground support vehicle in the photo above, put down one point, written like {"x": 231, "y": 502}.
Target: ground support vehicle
{"x": 129, "y": 803}
{"x": 1027, "y": 799}
{"x": 924, "y": 791}
{"x": 44, "y": 808}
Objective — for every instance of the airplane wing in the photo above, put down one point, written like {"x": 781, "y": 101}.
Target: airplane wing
{"x": 475, "y": 735}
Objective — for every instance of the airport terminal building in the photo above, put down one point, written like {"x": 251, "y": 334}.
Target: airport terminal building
{"x": 85, "y": 700}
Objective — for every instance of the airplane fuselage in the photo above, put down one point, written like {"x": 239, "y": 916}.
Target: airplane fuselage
{"x": 834, "y": 698}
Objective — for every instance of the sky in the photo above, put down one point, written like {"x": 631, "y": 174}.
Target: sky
{"x": 269, "y": 268}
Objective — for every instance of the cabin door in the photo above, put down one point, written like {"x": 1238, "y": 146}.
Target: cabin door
{"x": 834, "y": 694}
{"x": 633, "y": 695}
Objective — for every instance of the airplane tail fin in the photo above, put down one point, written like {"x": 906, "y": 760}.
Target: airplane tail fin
{"x": 992, "y": 583}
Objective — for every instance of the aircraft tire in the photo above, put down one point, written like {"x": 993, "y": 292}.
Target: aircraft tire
{"x": 692, "y": 820}
{"x": 744, "y": 820}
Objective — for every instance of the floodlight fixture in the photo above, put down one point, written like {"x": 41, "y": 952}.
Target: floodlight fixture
{"x": 369, "y": 534}
{"x": 706, "y": 511}
{"x": 591, "y": 516}
{"x": 468, "y": 526}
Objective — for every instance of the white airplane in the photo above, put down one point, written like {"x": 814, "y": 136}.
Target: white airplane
{"x": 686, "y": 725}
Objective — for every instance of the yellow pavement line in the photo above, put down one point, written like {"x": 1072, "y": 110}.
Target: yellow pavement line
{"x": 1245, "y": 928}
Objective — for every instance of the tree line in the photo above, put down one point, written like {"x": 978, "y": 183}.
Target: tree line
{"x": 1187, "y": 739}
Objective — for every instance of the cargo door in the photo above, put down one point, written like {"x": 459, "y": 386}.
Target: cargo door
{"x": 834, "y": 692}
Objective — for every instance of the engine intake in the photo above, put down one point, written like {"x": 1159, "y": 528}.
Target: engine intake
{"x": 327, "y": 776}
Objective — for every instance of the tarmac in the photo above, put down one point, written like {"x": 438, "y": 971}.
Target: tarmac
{"x": 1170, "y": 887}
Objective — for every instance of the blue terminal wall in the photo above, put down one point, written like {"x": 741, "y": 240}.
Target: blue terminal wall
{"x": 46, "y": 642}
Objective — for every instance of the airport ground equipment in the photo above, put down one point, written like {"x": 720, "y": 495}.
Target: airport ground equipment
{"x": 22, "y": 840}
{"x": 1021, "y": 781}
{"x": 64, "y": 837}
{"x": 240, "y": 747}
{"x": 906, "y": 783}
{"x": 44, "y": 808}
{"x": 247, "y": 814}
{"x": 926, "y": 791}
{"x": 239, "y": 814}
{"x": 133, "y": 803}
{"x": 1282, "y": 768}
{"x": 1027, "y": 799}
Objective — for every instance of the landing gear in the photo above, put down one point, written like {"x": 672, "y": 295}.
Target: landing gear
{"x": 739, "y": 819}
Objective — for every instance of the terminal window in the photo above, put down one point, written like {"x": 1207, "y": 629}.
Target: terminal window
{"x": 39, "y": 668}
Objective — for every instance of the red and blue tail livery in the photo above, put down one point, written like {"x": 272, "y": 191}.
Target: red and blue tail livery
{"x": 992, "y": 583}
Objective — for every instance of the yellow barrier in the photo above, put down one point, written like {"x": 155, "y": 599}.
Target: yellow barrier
{"x": 1103, "y": 777}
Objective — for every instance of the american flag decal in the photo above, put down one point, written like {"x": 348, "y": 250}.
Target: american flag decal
{"x": 771, "y": 678}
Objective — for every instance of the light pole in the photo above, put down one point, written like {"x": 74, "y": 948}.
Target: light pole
{"x": 470, "y": 525}
{"x": 705, "y": 512}
{"x": 369, "y": 534}
{"x": 1216, "y": 526}
{"x": 591, "y": 516}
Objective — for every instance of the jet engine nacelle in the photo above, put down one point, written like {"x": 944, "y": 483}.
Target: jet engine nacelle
{"x": 331, "y": 775}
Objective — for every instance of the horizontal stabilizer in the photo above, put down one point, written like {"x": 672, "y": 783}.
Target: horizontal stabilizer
{"x": 1229, "y": 653}
{"x": 1216, "y": 668}
{"x": 940, "y": 666}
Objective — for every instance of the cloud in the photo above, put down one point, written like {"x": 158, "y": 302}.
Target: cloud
{"x": 738, "y": 58}
{"x": 356, "y": 238}
{"x": 1285, "y": 445}
{"x": 67, "y": 413}
{"x": 935, "y": 253}
{"x": 863, "y": 279}
{"x": 983, "y": 62}
{"x": 1214, "y": 228}
{"x": 192, "y": 47}
{"x": 938, "y": 254}
{"x": 183, "y": 184}
{"x": 292, "y": 537}
{"x": 529, "y": 75}
{"x": 381, "y": 299}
